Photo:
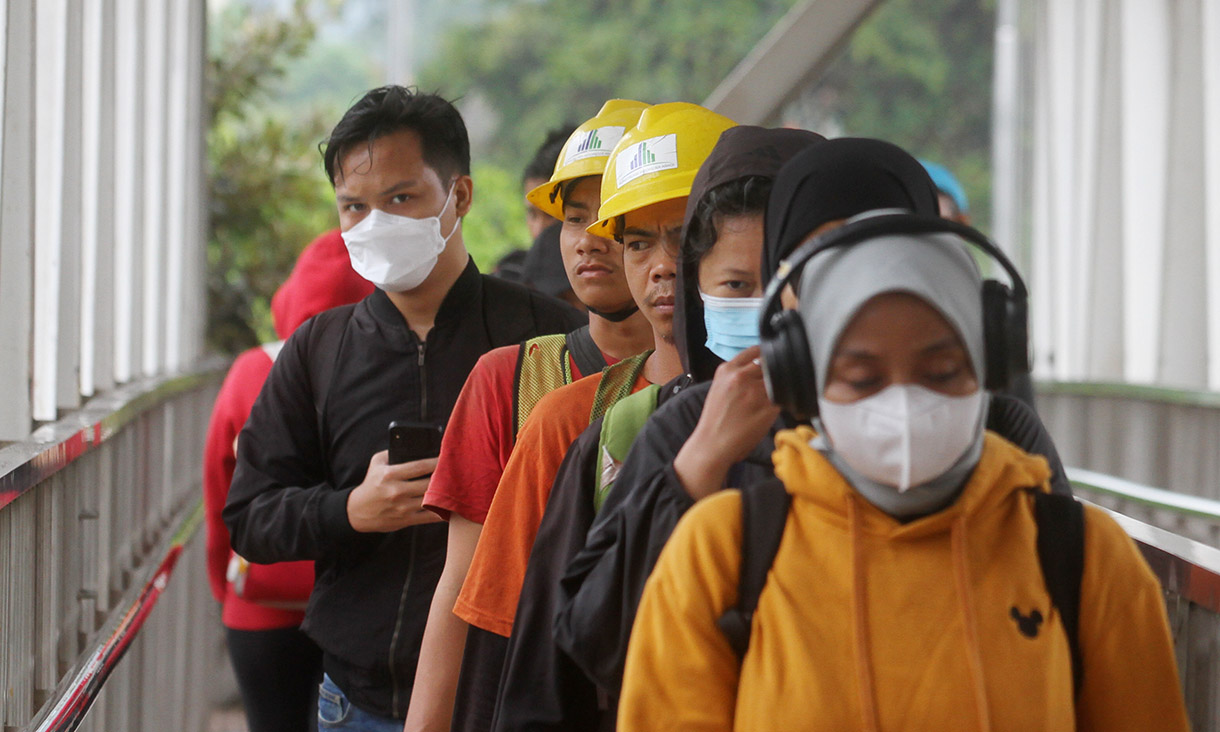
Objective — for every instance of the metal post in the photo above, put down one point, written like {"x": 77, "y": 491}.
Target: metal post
{"x": 400, "y": 41}
{"x": 1005, "y": 134}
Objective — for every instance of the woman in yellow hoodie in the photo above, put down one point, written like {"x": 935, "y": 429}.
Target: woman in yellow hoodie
{"x": 907, "y": 592}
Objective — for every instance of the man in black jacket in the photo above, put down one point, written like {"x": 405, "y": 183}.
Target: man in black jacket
{"x": 312, "y": 478}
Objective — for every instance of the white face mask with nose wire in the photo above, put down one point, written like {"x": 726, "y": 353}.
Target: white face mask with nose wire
{"x": 905, "y": 435}
{"x": 397, "y": 253}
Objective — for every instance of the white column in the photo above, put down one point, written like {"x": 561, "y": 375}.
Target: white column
{"x": 128, "y": 188}
{"x": 154, "y": 73}
{"x": 1082, "y": 121}
{"x": 400, "y": 41}
{"x": 97, "y": 198}
{"x": 1145, "y": 114}
{"x": 176, "y": 240}
{"x": 16, "y": 216}
{"x": 1006, "y": 134}
{"x": 1100, "y": 329}
{"x": 49, "y": 260}
{"x": 68, "y": 381}
{"x": 1210, "y": 30}
{"x": 1183, "y": 326}
{"x": 196, "y": 215}
{"x": 1055, "y": 186}
{"x": 1038, "y": 277}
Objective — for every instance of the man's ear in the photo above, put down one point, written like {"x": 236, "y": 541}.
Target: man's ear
{"x": 463, "y": 194}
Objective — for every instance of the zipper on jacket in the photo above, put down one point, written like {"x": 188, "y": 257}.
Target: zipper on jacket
{"x": 402, "y": 601}
{"x": 423, "y": 382}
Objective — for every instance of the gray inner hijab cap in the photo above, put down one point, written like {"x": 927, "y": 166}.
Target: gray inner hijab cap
{"x": 934, "y": 267}
{"x": 939, "y": 270}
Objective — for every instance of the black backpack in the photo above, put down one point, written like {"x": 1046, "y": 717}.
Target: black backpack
{"x": 764, "y": 511}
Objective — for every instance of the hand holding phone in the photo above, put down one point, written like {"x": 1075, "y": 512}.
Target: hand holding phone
{"x": 392, "y": 493}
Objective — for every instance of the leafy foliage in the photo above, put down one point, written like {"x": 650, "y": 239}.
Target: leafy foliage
{"x": 496, "y": 222}
{"x": 918, "y": 73}
{"x": 268, "y": 195}
{"x": 528, "y": 67}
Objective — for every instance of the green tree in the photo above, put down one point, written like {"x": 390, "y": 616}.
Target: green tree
{"x": 534, "y": 65}
{"x": 529, "y": 67}
{"x": 268, "y": 196}
{"x": 496, "y": 222}
{"x": 919, "y": 74}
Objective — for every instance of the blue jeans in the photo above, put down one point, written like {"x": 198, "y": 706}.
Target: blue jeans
{"x": 336, "y": 712}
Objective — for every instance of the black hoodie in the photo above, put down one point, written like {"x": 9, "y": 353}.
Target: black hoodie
{"x": 601, "y": 588}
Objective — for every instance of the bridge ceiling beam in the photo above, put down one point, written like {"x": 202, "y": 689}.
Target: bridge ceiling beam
{"x": 792, "y": 55}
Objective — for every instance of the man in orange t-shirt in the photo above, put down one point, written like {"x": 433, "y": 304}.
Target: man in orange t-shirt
{"x": 643, "y": 201}
{"x": 482, "y": 429}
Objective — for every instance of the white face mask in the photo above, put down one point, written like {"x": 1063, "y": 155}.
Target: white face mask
{"x": 904, "y": 435}
{"x": 397, "y": 253}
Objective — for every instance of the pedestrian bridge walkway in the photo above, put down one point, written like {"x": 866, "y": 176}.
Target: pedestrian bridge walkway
{"x": 107, "y": 622}
{"x": 1106, "y": 193}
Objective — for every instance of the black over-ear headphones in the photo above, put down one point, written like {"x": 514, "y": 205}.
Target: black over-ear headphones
{"x": 786, "y": 358}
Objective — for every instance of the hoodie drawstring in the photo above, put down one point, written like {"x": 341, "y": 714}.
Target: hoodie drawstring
{"x": 965, "y": 596}
{"x": 859, "y": 599}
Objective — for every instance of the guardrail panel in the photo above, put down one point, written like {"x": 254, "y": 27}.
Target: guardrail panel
{"x": 17, "y": 523}
{"x": 98, "y": 497}
{"x": 1199, "y": 656}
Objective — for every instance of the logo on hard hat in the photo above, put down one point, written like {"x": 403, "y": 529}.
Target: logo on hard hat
{"x": 647, "y": 156}
{"x": 598, "y": 143}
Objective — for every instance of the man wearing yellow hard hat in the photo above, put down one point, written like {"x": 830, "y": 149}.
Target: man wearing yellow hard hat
{"x": 643, "y": 199}
{"x": 502, "y": 391}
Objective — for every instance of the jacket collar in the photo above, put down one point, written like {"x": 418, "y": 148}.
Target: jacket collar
{"x": 464, "y": 293}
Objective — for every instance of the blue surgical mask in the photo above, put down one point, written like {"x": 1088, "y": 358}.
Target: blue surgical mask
{"x": 732, "y": 324}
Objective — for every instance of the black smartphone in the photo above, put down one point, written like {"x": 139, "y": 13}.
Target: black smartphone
{"x": 414, "y": 441}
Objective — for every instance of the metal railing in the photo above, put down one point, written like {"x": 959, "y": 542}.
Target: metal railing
{"x": 96, "y": 511}
{"x": 1189, "y": 572}
{"x": 1148, "y": 436}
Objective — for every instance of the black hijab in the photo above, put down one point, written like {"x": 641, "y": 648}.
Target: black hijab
{"x": 740, "y": 152}
{"x": 837, "y": 180}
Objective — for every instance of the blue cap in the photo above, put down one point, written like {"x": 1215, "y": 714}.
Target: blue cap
{"x": 947, "y": 184}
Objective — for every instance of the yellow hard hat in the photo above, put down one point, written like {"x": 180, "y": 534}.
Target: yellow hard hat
{"x": 657, "y": 159}
{"x": 586, "y": 151}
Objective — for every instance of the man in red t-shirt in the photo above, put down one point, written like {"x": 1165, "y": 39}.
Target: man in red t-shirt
{"x": 482, "y": 429}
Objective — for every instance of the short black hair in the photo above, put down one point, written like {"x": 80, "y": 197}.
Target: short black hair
{"x": 389, "y": 109}
{"x": 563, "y": 191}
{"x": 745, "y": 196}
{"x": 543, "y": 164}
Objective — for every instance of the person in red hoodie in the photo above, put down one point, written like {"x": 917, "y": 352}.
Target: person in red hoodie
{"x": 277, "y": 666}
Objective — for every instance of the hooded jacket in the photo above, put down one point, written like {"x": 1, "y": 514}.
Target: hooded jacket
{"x": 322, "y": 278}
{"x": 601, "y": 587}
{"x": 871, "y": 624}
{"x": 340, "y": 380}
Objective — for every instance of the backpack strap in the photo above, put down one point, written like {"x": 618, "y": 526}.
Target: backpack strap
{"x": 616, "y": 383}
{"x": 542, "y": 367}
{"x": 764, "y": 511}
{"x": 622, "y": 422}
{"x": 324, "y": 347}
{"x": 588, "y": 357}
{"x": 1060, "y": 522}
